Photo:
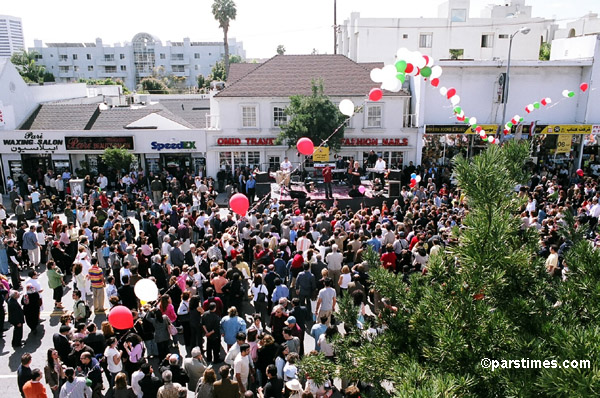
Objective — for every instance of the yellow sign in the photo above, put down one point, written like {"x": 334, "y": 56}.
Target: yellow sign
{"x": 567, "y": 129}
{"x": 488, "y": 128}
{"x": 321, "y": 154}
{"x": 563, "y": 143}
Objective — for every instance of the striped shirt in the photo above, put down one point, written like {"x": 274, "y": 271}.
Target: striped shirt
{"x": 96, "y": 277}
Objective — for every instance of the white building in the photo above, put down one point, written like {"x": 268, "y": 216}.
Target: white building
{"x": 453, "y": 34}
{"x": 11, "y": 36}
{"x": 131, "y": 62}
{"x": 585, "y": 26}
{"x": 246, "y": 116}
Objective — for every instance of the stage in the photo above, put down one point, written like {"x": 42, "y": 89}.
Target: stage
{"x": 340, "y": 194}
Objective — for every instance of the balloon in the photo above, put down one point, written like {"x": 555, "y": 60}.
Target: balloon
{"x": 420, "y": 62}
{"x": 239, "y": 202}
{"x": 401, "y": 66}
{"x": 388, "y": 71}
{"x": 426, "y": 71}
{"x": 146, "y": 290}
{"x": 544, "y": 102}
{"x": 571, "y": 94}
{"x": 142, "y": 302}
{"x": 521, "y": 120}
{"x": 361, "y": 189}
{"x": 435, "y": 82}
{"x": 415, "y": 71}
{"x": 509, "y": 125}
{"x": 566, "y": 93}
{"x": 457, "y": 110}
{"x": 506, "y": 131}
{"x": 473, "y": 121}
{"x": 583, "y": 87}
{"x": 120, "y": 317}
{"x": 402, "y": 53}
{"x": 409, "y": 68}
{"x": 536, "y": 105}
{"x": 478, "y": 129}
{"x": 429, "y": 60}
{"x": 455, "y": 100}
{"x": 443, "y": 91}
{"x": 401, "y": 77}
{"x": 413, "y": 182}
{"x": 451, "y": 92}
{"x": 347, "y": 108}
{"x": 466, "y": 120}
{"x": 418, "y": 178}
{"x": 375, "y": 94}
{"x": 377, "y": 75}
{"x": 579, "y": 172}
{"x": 436, "y": 71}
{"x": 548, "y": 100}
{"x": 393, "y": 85}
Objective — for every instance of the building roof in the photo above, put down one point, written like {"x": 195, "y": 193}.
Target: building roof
{"x": 286, "y": 75}
{"x": 239, "y": 70}
{"x": 94, "y": 117}
{"x": 193, "y": 111}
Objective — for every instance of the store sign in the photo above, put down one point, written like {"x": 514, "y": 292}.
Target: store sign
{"x": 97, "y": 143}
{"x": 596, "y": 129}
{"x": 559, "y": 129}
{"x": 245, "y": 141}
{"x": 458, "y": 129}
{"x": 159, "y": 146}
{"x": 563, "y": 143}
{"x": 33, "y": 142}
{"x": 321, "y": 154}
{"x": 375, "y": 142}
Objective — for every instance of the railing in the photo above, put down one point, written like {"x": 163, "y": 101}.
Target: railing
{"x": 410, "y": 120}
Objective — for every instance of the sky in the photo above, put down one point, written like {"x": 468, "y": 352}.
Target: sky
{"x": 262, "y": 25}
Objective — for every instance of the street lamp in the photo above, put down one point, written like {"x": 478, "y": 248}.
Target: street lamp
{"x": 524, "y": 30}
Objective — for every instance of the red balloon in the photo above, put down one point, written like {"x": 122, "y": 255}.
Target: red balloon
{"x": 583, "y": 87}
{"x": 426, "y": 58}
{"x": 375, "y": 94}
{"x": 305, "y": 146}
{"x": 579, "y": 172}
{"x": 527, "y": 110}
{"x": 543, "y": 101}
{"x": 409, "y": 68}
{"x": 478, "y": 129}
{"x": 460, "y": 118}
{"x": 120, "y": 317}
{"x": 451, "y": 92}
{"x": 413, "y": 183}
{"x": 239, "y": 204}
{"x": 435, "y": 82}
{"x": 418, "y": 71}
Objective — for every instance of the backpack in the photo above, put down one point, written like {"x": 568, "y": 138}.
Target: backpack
{"x": 88, "y": 311}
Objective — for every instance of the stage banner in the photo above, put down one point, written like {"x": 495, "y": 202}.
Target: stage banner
{"x": 321, "y": 154}
{"x": 563, "y": 143}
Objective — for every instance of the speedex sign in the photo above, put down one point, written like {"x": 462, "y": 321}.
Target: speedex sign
{"x": 159, "y": 146}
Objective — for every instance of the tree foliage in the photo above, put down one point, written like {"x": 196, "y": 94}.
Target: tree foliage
{"x": 281, "y": 49}
{"x": 119, "y": 159}
{"x": 154, "y": 86}
{"x": 486, "y": 296}
{"x": 545, "y": 51}
{"x": 106, "y": 82}
{"x": 29, "y": 69}
{"x": 315, "y": 117}
{"x": 224, "y": 12}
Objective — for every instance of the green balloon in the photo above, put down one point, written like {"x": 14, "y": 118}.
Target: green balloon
{"x": 466, "y": 120}
{"x": 571, "y": 94}
{"x": 509, "y": 125}
{"x": 521, "y": 119}
{"x": 401, "y": 66}
{"x": 458, "y": 109}
{"x": 536, "y": 105}
{"x": 426, "y": 71}
{"x": 401, "y": 77}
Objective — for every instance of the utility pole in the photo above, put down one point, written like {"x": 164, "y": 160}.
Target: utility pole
{"x": 335, "y": 26}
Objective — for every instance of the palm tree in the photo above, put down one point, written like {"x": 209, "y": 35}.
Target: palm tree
{"x": 224, "y": 11}
{"x": 28, "y": 68}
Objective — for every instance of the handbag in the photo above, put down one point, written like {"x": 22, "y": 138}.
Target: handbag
{"x": 172, "y": 329}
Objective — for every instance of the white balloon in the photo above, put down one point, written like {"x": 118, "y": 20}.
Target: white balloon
{"x": 388, "y": 72}
{"x": 420, "y": 62}
{"x": 347, "y": 107}
{"x": 146, "y": 290}
{"x": 455, "y": 100}
{"x": 565, "y": 93}
{"x": 393, "y": 85}
{"x": 436, "y": 71}
{"x": 418, "y": 178}
{"x": 402, "y": 54}
{"x": 431, "y": 61}
{"x": 443, "y": 91}
{"x": 548, "y": 100}
{"x": 472, "y": 121}
{"x": 377, "y": 75}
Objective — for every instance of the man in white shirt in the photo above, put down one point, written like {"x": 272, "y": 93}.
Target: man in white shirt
{"x": 241, "y": 367}
{"x": 334, "y": 265}
{"x": 102, "y": 181}
{"x": 283, "y": 176}
{"x": 135, "y": 380}
{"x": 286, "y": 165}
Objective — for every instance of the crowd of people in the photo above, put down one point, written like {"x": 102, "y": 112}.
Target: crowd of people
{"x": 240, "y": 297}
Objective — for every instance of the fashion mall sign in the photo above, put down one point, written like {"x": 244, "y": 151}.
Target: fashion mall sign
{"x": 375, "y": 142}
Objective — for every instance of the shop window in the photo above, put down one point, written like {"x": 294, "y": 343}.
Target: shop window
{"x": 254, "y": 159}
{"x": 374, "y": 116}
{"x": 225, "y": 161}
{"x": 239, "y": 159}
{"x": 279, "y": 116}
{"x": 274, "y": 162}
{"x": 152, "y": 165}
{"x": 249, "y": 116}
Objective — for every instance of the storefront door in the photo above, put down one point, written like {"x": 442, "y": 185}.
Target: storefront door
{"x": 176, "y": 164}
{"x": 35, "y": 166}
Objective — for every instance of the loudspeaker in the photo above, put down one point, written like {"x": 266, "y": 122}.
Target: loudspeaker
{"x": 297, "y": 194}
{"x": 394, "y": 189}
{"x": 262, "y": 176}
{"x": 395, "y": 175}
{"x": 262, "y": 189}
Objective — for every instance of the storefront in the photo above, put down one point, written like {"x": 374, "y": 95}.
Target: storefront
{"x": 441, "y": 142}
{"x": 176, "y": 155}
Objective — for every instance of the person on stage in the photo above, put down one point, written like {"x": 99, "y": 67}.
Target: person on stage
{"x": 380, "y": 168}
{"x": 285, "y": 170}
{"x": 355, "y": 173}
{"x": 327, "y": 178}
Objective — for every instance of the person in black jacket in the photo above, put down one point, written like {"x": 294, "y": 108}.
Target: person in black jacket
{"x": 91, "y": 369}
{"x": 24, "y": 373}
{"x": 158, "y": 272}
{"x": 16, "y": 317}
{"x": 3, "y": 298}
{"x": 171, "y": 363}
{"x": 149, "y": 383}
{"x": 13, "y": 262}
{"x": 127, "y": 294}
{"x": 274, "y": 387}
{"x": 95, "y": 339}
{"x": 62, "y": 343}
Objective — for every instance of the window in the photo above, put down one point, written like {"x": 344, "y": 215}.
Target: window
{"x": 90, "y": 68}
{"x": 123, "y": 68}
{"x": 458, "y": 15}
{"x": 225, "y": 160}
{"x": 76, "y": 68}
{"x": 109, "y": 57}
{"x": 457, "y": 53}
{"x": 425, "y": 40}
{"x": 63, "y": 69}
{"x": 405, "y": 36}
{"x": 196, "y": 55}
{"x": 249, "y": 116}
{"x": 254, "y": 159}
{"x": 279, "y": 116}
{"x": 503, "y": 36}
{"x": 177, "y": 68}
{"x": 274, "y": 162}
{"x": 37, "y": 56}
{"x": 110, "y": 69}
{"x": 374, "y": 116}
{"x": 121, "y": 56}
{"x": 487, "y": 40}
{"x": 63, "y": 57}
{"x": 74, "y": 57}
{"x": 89, "y": 56}
{"x": 176, "y": 57}
{"x": 162, "y": 56}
